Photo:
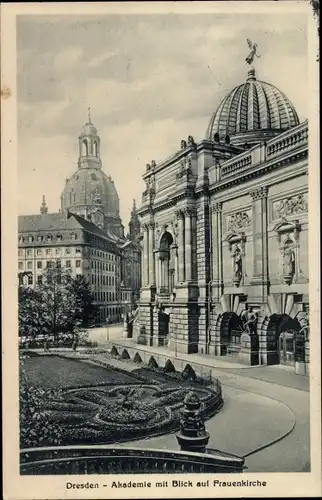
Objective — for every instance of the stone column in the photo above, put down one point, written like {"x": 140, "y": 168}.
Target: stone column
{"x": 145, "y": 257}
{"x": 216, "y": 244}
{"x": 260, "y": 244}
{"x": 188, "y": 243}
{"x": 181, "y": 246}
{"x": 151, "y": 226}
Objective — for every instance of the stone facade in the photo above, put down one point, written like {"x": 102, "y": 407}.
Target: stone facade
{"x": 225, "y": 238}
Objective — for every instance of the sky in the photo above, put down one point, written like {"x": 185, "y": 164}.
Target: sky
{"x": 150, "y": 80}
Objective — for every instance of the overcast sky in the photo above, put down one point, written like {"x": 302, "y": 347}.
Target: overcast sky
{"x": 151, "y": 80}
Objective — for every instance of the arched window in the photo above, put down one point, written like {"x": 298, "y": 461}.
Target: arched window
{"x": 39, "y": 238}
{"x": 49, "y": 237}
{"x": 74, "y": 236}
{"x": 93, "y": 177}
{"x": 30, "y": 239}
{"x": 59, "y": 237}
{"x": 84, "y": 148}
{"x": 95, "y": 149}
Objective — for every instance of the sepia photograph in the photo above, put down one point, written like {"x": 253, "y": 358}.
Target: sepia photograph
{"x": 163, "y": 258}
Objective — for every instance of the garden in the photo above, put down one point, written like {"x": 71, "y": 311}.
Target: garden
{"x": 68, "y": 402}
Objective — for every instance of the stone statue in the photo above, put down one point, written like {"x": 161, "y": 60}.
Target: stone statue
{"x": 191, "y": 141}
{"x": 238, "y": 263}
{"x": 249, "y": 320}
{"x": 183, "y": 144}
{"x": 288, "y": 259}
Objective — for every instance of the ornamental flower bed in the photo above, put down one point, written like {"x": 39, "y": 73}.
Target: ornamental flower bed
{"x": 107, "y": 412}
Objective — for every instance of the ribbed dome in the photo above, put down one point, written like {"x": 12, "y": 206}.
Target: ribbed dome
{"x": 252, "y": 112}
{"x": 88, "y": 129}
{"x": 88, "y": 187}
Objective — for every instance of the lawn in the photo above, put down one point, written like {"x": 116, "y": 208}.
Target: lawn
{"x": 51, "y": 372}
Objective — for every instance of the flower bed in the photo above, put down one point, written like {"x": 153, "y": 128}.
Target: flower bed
{"x": 107, "y": 412}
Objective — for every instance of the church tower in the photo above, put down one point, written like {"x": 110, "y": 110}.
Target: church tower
{"x": 89, "y": 192}
{"x": 134, "y": 224}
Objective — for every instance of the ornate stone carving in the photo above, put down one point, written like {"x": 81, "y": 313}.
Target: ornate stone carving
{"x": 191, "y": 141}
{"x": 238, "y": 220}
{"x": 216, "y": 207}
{"x": 288, "y": 255}
{"x": 151, "y": 225}
{"x": 290, "y": 206}
{"x": 179, "y": 214}
{"x": 174, "y": 225}
{"x": 144, "y": 226}
{"x": 259, "y": 193}
{"x": 237, "y": 263}
{"x": 190, "y": 211}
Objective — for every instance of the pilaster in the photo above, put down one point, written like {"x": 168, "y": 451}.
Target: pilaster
{"x": 260, "y": 243}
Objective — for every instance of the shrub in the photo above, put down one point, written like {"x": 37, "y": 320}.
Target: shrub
{"x": 137, "y": 358}
{"x": 125, "y": 354}
{"x": 152, "y": 363}
{"x": 114, "y": 352}
{"x": 189, "y": 373}
{"x": 169, "y": 367}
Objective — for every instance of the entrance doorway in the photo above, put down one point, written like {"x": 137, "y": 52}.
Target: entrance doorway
{"x": 163, "y": 329}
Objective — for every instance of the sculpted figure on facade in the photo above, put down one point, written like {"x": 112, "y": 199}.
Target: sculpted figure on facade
{"x": 183, "y": 144}
{"x": 292, "y": 205}
{"x": 238, "y": 263}
{"x": 288, "y": 259}
{"x": 238, "y": 220}
{"x": 249, "y": 319}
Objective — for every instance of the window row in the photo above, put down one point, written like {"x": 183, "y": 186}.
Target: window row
{"x": 103, "y": 266}
{"x": 49, "y": 264}
{"x": 49, "y": 251}
{"x": 48, "y": 237}
{"x": 102, "y": 280}
{"x": 104, "y": 296}
{"x": 104, "y": 255}
{"x": 40, "y": 279}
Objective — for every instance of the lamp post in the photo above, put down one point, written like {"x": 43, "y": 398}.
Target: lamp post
{"x": 107, "y": 331}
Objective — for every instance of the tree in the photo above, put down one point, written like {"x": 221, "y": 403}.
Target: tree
{"x": 88, "y": 311}
{"x": 61, "y": 304}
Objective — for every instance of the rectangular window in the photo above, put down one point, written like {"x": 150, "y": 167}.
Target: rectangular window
{"x": 78, "y": 250}
{"x": 48, "y": 251}
{"x": 20, "y": 253}
{"x": 39, "y": 279}
{"x": 20, "y": 265}
{"x": 48, "y": 264}
{"x": 68, "y": 263}
{"x": 39, "y": 251}
{"x": 78, "y": 263}
{"x": 67, "y": 251}
{"x": 29, "y": 253}
{"x": 30, "y": 279}
{"x": 57, "y": 251}
{"x": 58, "y": 264}
{"x": 39, "y": 264}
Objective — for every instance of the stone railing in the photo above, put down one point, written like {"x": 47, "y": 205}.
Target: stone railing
{"x": 102, "y": 459}
{"x": 285, "y": 142}
{"x": 232, "y": 166}
{"x": 292, "y": 139}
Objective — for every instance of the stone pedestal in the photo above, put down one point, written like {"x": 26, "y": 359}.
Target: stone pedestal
{"x": 192, "y": 436}
{"x": 248, "y": 354}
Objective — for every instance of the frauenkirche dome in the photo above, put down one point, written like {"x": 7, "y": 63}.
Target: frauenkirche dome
{"x": 252, "y": 112}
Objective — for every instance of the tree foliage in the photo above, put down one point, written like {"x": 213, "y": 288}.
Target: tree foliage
{"x": 62, "y": 304}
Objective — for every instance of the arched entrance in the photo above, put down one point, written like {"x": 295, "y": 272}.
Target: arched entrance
{"x": 283, "y": 334}
{"x": 231, "y": 329}
{"x": 165, "y": 264}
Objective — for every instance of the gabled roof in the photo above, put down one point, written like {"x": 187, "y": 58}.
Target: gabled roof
{"x": 46, "y": 222}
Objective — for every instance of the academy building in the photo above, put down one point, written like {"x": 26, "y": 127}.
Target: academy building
{"x": 225, "y": 235}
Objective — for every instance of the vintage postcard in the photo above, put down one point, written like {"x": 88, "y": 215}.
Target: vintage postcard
{"x": 160, "y": 243}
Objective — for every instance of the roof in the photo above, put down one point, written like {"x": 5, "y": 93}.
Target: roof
{"x": 59, "y": 222}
